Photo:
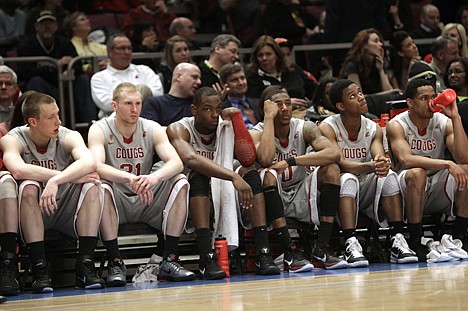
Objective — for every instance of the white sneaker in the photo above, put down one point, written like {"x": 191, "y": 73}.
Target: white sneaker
{"x": 453, "y": 247}
{"x": 400, "y": 251}
{"x": 437, "y": 252}
{"x": 353, "y": 254}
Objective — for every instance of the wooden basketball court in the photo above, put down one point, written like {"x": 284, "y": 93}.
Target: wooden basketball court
{"x": 442, "y": 286}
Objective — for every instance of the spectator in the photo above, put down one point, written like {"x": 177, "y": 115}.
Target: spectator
{"x": 42, "y": 76}
{"x": 233, "y": 78}
{"x": 121, "y": 69}
{"x": 78, "y": 26}
{"x": 430, "y": 27}
{"x": 53, "y": 6}
{"x": 457, "y": 31}
{"x": 17, "y": 116}
{"x": 456, "y": 78}
{"x": 176, "y": 51}
{"x": 443, "y": 50}
{"x": 462, "y": 16}
{"x": 268, "y": 66}
{"x": 183, "y": 26}
{"x": 321, "y": 104}
{"x": 155, "y": 11}
{"x": 12, "y": 25}
{"x": 8, "y": 91}
{"x": 145, "y": 38}
{"x": 422, "y": 70}
{"x": 224, "y": 50}
{"x": 175, "y": 105}
{"x": 404, "y": 53}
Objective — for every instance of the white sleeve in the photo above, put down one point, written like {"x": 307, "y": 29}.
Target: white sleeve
{"x": 152, "y": 80}
{"x": 101, "y": 91}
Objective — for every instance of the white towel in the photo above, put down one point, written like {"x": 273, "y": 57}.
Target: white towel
{"x": 223, "y": 192}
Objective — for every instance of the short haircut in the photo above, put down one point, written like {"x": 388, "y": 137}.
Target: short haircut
{"x": 17, "y": 119}
{"x": 223, "y": 41}
{"x": 6, "y": 69}
{"x": 413, "y": 85}
{"x": 228, "y": 70}
{"x": 440, "y": 44}
{"x": 268, "y": 93}
{"x": 31, "y": 105}
{"x": 110, "y": 41}
{"x": 123, "y": 87}
{"x": 203, "y": 91}
{"x": 336, "y": 90}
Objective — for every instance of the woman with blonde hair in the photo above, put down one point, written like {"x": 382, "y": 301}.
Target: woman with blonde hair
{"x": 176, "y": 51}
{"x": 454, "y": 30}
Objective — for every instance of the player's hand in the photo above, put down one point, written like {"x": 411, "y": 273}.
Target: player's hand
{"x": 270, "y": 108}
{"x": 91, "y": 177}
{"x": 146, "y": 198}
{"x": 381, "y": 165}
{"x": 451, "y": 110}
{"x": 47, "y": 201}
{"x": 279, "y": 166}
{"x": 299, "y": 102}
{"x": 461, "y": 178}
{"x": 244, "y": 191}
{"x": 222, "y": 90}
{"x": 143, "y": 183}
{"x": 226, "y": 112}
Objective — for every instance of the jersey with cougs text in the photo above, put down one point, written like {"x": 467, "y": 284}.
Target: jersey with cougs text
{"x": 354, "y": 150}
{"x": 204, "y": 145}
{"x": 54, "y": 157}
{"x": 296, "y": 146}
{"x": 133, "y": 154}
{"x": 429, "y": 144}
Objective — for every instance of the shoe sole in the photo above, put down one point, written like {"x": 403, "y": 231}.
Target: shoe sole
{"x": 404, "y": 260}
{"x": 116, "y": 283}
{"x": 306, "y": 268}
{"x": 338, "y": 265}
{"x": 359, "y": 264}
{"x": 43, "y": 290}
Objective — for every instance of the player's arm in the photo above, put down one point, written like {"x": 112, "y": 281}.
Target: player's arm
{"x": 325, "y": 152}
{"x": 346, "y": 166}
{"x": 455, "y": 135}
{"x": 265, "y": 142}
{"x": 401, "y": 150}
{"x": 105, "y": 171}
{"x": 20, "y": 170}
{"x": 381, "y": 164}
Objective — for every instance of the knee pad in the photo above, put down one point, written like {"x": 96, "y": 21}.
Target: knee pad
{"x": 8, "y": 189}
{"x": 349, "y": 188}
{"x": 199, "y": 186}
{"x": 273, "y": 204}
{"x": 390, "y": 186}
{"x": 253, "y": 179}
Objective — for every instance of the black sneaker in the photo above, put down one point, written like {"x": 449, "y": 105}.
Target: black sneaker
{"x": 209, "y": 268}
{"x": 116, "y": 273}
{"x": 9, "y": 284}
{"x": 41, "y": 280}
{"x": 86, "y": 276}
{"x": 264, "y": 264}
{"x": 420, "y": 250}
{"x": 324, "y": 257}
{"x": 171, "y": 270}
{"x": 294, "y": 261}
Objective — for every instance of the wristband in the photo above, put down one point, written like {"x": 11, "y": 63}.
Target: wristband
{"x": 291, "y": 161}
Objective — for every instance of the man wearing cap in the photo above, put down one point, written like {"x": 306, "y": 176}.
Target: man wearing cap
{"x": 41, "y": 76}
{"x": 422, "y": 70}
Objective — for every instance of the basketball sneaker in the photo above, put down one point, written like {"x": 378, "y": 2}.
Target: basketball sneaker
{"x": 454, "y": 247}
{"x": 324, "y": 257}
{"x": 420, "y": 248}
{"x": 86, "y": 276}
{"x": 171, "y": 270}
{"x": 353, "y": 254}
{"x": 116, "y": 273}
{"x": 264, "y": 264}
{"x": 294, "y": 261}
{"x": 9, "y": 284}
{"x": 437, "y": 252}
{"x": 400, "y": 251}
{"x": 209, "y": 268}
{"x": 41, "y": 280}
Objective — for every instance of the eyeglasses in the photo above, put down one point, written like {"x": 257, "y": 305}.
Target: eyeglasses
{"x": 455, "y": 71}
{"x": 122, "y": 48}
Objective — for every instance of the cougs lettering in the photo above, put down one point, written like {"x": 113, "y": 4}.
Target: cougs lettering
{"x": 283, "y": 156}
{"x": 50, "y": 164}
{"x": 354, "y": 153}
{"x": 129, "y": 153}
{"x": 423, "y": 145}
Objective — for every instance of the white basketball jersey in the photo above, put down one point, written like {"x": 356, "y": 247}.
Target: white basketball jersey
{"x": 357, "y": 150}
{"x": 54, "y": 157}
{"x": 204, "y": 145}
{"x": 133, "y": 154}
{"x": 296, "y": 146}
{"x": 429, "y": 144}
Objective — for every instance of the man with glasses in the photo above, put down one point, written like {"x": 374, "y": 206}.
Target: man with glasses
{"x": 224, "y": 50}
{"x": 120, "y": 69}
{"x": 430, "y": 27}
{"x": 8, "y": 80}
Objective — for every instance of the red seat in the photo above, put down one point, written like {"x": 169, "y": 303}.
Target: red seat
{"x": 108, "y": 20}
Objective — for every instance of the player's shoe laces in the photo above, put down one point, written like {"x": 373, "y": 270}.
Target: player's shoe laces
{"x": 171, "y": 270}
{"x": 437, "y": 252}
{"x": 353, "y": 254}
{"x": 264, "y": 264}
{"x": 294, "y": 261}
{"x": 324, "y": 257}
{"x": 86, "y": 274}
{"x": 209, "y": 268}
{"x": 116, "y": 273}
{"x": 453, "y": 247}
{"x": 400, "y": 251}
{"x": 41, "y": 280}
{"x": 9, "y": 284}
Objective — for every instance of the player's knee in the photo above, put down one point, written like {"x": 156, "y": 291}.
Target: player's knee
{"x": 253, "y": 179}
{"x": 329, "y": 173}
{"x": 199, "y": 186}
{"x": 269, "y": 180}
{"x": 390, "y": 186}
{"x": 8, "y": 189}
{"x": 416, "y": 177}
{"x": 30, "y": 193}
{"x": 349, "y": 188}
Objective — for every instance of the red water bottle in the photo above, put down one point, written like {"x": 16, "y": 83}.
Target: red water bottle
{"x": 445, "y": 98}
{"x": 221, "y": 248}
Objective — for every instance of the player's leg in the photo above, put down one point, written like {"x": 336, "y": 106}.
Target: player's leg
{"x": 461, "y": 224}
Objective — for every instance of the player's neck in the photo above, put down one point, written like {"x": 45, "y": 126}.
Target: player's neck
{"x": 40, "y": 141}
{"x": 351, "y": 124}
{"x": 421, "y": 123}
{"x": 282, "y": 132}
{"x": 126, "y": 129}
